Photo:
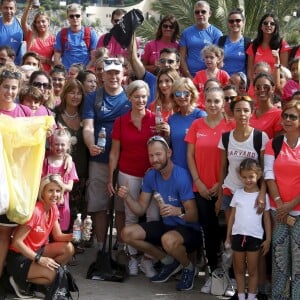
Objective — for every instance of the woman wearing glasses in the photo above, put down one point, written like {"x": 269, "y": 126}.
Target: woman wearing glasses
{"x": 282, "y": 166}
{"x": 166, "y": 37}
{"x": 267, "y": 40}
{"x": 266, "y": 117}
{"x": 43, "y": 82}
{"x": 37, "y": 36}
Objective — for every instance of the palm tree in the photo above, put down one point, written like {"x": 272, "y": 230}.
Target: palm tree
{"x": 253, "y": 9}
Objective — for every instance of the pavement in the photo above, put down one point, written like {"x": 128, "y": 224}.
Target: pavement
{"x": 133, "y": 288}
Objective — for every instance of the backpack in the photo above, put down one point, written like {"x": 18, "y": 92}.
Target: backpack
{"x": 86, "y": 37}
{"x": 277, "y": 144}
{"x": 257, "y": 141}
{"x": 247, "y": 42}
{"x": 106, "y": 39}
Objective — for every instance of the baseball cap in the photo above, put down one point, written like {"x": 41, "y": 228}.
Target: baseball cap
{"x": 112, "y": 64}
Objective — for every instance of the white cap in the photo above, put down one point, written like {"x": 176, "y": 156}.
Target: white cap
{"x": 112, "y": 64}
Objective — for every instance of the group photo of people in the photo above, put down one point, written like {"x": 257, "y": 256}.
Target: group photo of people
{"x": 172, "y": 140}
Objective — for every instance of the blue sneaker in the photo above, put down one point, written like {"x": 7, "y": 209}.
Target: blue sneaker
{"x": 186, "y": 282}
{"x": 166, "y": 272}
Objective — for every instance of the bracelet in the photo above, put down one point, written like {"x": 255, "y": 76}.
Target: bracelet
{"x": 277, "y": 198}
{"x": 37, "y": 258}
{"x": 196, "y": 179}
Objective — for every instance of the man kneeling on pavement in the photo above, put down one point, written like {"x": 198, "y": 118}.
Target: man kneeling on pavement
{"x": 178, "y": 232}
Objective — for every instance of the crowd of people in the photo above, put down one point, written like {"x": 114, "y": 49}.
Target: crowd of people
{"x": 226, "y": 138}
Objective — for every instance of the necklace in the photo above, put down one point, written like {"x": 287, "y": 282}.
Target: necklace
{"x": 72, "y": 117}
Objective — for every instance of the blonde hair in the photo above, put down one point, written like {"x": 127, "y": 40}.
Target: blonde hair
{"x": 219, "y": 53}
{"x": 62, "y": 132}
{"x": 56, "y": 178}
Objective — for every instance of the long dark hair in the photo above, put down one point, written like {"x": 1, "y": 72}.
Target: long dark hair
{"x": 174, "y": 22}
{"x": 275, "y": 41}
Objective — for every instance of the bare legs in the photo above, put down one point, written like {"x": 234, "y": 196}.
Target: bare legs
{"x": 5, "y": 233}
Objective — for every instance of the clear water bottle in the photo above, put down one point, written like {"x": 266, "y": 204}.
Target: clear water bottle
{"x": 158, "y": 116}
{"x": 87, "y": 228}
{"x": 158, "y": 198}
{"x": 227, "y": 256}
{"x": 77, "y": 229}
{"x": 101, "y": 142}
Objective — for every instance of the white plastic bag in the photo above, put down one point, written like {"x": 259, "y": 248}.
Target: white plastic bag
{"x": 4, "y": 195}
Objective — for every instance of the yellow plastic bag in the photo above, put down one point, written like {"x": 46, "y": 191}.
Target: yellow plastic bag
{"x": 24, "y": 150}
{"x": 4, "y": 197}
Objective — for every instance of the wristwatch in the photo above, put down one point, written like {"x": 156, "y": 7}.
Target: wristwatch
{"x": 182, "y": 213}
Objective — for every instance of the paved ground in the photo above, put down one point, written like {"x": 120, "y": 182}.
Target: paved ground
{"x": 133, "y": 288}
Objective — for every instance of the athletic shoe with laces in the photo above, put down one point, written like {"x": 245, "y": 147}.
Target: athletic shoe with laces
{"x": 22, "y": 294}
{"x": 166, "y": 272}
{"x": 133, "y": 267}
{"x": 186, "y": 282}
{"x": 206, "y": 289}
{"x": 147, "y": 268}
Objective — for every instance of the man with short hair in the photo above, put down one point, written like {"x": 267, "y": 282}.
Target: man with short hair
{"x": 11, "y": 33}
{"x": 75, "y": 43}
{"x": 101, "y": 110}
{"x": 178, "y": 231}
{"x": 7, "y": 54}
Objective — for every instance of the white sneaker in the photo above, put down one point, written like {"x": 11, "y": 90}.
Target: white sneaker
{"x": 20, "y": 293}
{"x": 133, "y": 267}
{"x": 206, "y": 289}
{"x": 146, "y": 267}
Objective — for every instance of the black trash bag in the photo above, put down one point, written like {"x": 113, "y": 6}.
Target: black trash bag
{"x": 106, "y": 269}
{"x": 124, "y": 30}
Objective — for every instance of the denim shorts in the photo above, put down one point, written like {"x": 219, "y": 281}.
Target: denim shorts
{"x": 226, "y": 199}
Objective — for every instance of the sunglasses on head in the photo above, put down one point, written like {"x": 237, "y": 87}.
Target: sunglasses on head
{"x": 266, "y": 23}
{"x": 44, "y": 85}
{"x": 112, "y": 61}
{"x": 167, "y": 26}
{"x": 229, "y": 98}
{"x": 242, "y": 98}
{"x": 158, "y": 138}
{"x": 292, "y": 117}
{"x": 9, "y": 74}
{"x": 202, "y": 12}
{"x": 168, "y": 61}
{"x": 232, "y": 21}
{"x": 77, "y": 16}
{"x": 181, "y": 94}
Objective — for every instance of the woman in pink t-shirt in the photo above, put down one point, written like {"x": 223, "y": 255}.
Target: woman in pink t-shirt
{"x": 267, "y": 39}
{"x": 282, "y": 174}
{"x": 38, "y": 37}
{"x": 166, "y": 37}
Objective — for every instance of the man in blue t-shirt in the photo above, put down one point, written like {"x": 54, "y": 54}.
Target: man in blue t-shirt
{"x": 100, "y": 109}
{"x": 75, "y": 43}
{"x": 178, "y": 231}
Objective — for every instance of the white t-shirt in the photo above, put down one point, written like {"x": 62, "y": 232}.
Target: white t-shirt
{"x": 236, "y": 153}
{"x": 247, "y": 221}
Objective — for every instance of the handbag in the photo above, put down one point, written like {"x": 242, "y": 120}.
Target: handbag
{"x": 219, "y": 282}
{"x": 63, "y": 284}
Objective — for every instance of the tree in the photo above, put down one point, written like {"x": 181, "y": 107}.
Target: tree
{"x": 253, "y": 10}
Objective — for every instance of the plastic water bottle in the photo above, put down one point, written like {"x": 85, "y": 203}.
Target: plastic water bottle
{"x": 227, "y": 256}
{"x": 158, "y": 116}
{"x": 101, "y": 142}
{"x": 87, "y": 228}
{"x": 77, "y": 229}
{"x": 158, "y": 198}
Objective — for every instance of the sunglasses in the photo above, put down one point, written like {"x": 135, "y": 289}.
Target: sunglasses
{"x": 232, "y": 21}
{"x": 166, "y": 26}
{"x": 292, "y": 117}
{"x": 202, "y": 12}
{"x": 116, "y": 21}
{"x": 9, "y": 74}
{"x": 168, "y": 61}
{"x": 158, "y": 138}
{"x": 266, "y": 23}
{"x": 112, "y": 61}
{"x": 44, "y": 85}
{"x": 229, "y": 98}
{"x": 77, "y": 16}
{"x": 264, "y": 87}
{"x": 242, "y": 98}
{"x": 181, "y": 94}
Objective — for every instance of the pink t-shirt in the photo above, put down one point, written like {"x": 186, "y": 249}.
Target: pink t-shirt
{"x": 207, "y": 154}
{"x": 134, "y": 153}
{"x": 269, "y": 122}
{"x": 289, "y": 89}
{"x": 152, "y": 50}
{"x": 200, "y": 79}
{"x": 265, "y": 54}
{"x": 19, "y": 111}
{"x": 43, "y": 47}
{"x": 42, "y": 111}
{"x": 40, "y": 227}
{"x": 287, "y": 172}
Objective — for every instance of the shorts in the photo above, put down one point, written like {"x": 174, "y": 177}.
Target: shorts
{"x": 4, "y": 221}
{"x": 245, "y": 243}
{"x": 156, "y": 229}
{"x": 97, "y": 195}
{"x": 226, "y": 199}
{"x": 18, "y": 266}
